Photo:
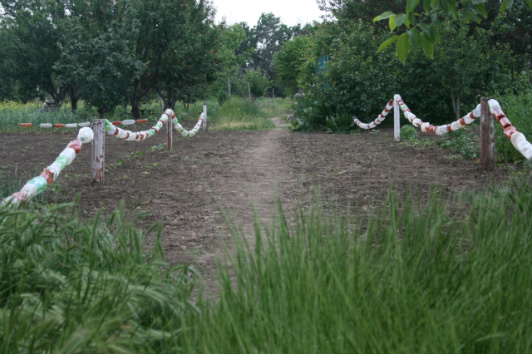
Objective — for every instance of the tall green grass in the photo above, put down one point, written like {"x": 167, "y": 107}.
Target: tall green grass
{"x": 240, "y": 113}
{"x": 10, "y": 182}
{"x": 411, "y": 280}
{"x": 68, "y": 286}
{"x": 518, "y": 109}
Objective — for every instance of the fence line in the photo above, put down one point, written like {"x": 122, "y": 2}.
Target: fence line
{"x": 517, "y": 139}
{"x": 96, "y": 135}
{"x": 55, "y": 125}
{"x": 83, "y": 124}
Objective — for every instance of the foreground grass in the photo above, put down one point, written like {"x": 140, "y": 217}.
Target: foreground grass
{"x": 413, "y": 278}
{"x": 68, "y": 286}
{"x": 416, "y": 281}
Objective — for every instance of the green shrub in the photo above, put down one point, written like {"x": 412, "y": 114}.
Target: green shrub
{"x": 462, "y": 141}
{"x": 409, "y": 133}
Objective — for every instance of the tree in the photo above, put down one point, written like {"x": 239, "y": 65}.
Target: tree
{"x": 96, "y": 52}
{"x": 34, "y": 28}
{"x": 448, "y": 86}
{"x": 7, "y": 84}
{"x": 189, "y": 64}
{"x": 270, "y": 35}
{"x": 289, "y": 62}
{"x": 421, "y": 29}
{"x": 164, "y": 30}
{"x": 233, "y": 56}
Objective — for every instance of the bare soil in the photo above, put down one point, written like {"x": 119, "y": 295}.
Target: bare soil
{"x": 189, "y": 188}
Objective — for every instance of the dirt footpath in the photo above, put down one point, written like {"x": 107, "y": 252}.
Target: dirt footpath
{"x": 187, "y": 188}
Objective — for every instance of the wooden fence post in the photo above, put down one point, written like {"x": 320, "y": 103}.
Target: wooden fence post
{"x": 396, "y": 121}
{"x": 205, "y": 127}
{"x": 98, "y": 151}
{"x": 487, "y": 136}
{"x": 169, "y": 129}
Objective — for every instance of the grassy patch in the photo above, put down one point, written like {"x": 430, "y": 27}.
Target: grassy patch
{"x": 246, "y": 115}
{"x": 417, "y": 279}
{"x": 68, "y": 286}
{"x": 517, "y": 109}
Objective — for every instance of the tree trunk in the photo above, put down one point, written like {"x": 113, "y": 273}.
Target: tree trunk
{"x": 456, "y": 105}
{"x": 74, "y": 104}
{"x": 169, "y": 103}
{"x": 74, "y": 98}
{"x": 135, "y": 109}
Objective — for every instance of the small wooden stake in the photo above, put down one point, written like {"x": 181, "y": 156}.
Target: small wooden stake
{"x": 169, "y": 127}
{"x": 98, "y": 151}
{"x": 487, "y": 136}
{"x": 205, "y": 127}
{"x": 396, "y": 121}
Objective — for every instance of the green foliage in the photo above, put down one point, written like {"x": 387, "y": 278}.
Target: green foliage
{"x": 289, "y": 62}
{"x": 31, "y": 30}
{"x": 463, "y": 142}
{"x": 422, "y": 23}
{"x": 355, "y": 81}
{"x": 409, "y": 133}
{"x": 96, "y": 54}
{"x": 259, "y": 84}
{"x": 9, "y": 181}
{"x": 342, "y": 124}
{"x": 243, "y": 114}
{"x": 188, "y": 51}
{"x": 71, "y": 286}
{"x": 517, "y": 109}
{"x": 459, "y": 83}
{"x": 312, "y": 109}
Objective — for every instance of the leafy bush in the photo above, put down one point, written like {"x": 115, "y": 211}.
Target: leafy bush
{"x": 462, "y": 141}
{"x": 409, "y": 133}
{"x": 342, "y": 124}
{"x": 312, "y": 109}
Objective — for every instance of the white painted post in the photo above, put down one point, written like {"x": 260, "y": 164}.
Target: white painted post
{"x": 396, "y": 121}
{"x": 98, "y": 151}
{"x": 169, "y": 138}
{"x": 205, "y": 127}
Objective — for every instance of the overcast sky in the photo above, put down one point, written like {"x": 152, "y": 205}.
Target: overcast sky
{"x": 291, "y": 12}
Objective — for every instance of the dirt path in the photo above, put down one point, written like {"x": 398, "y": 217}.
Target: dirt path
{"x": 186, "y": 189}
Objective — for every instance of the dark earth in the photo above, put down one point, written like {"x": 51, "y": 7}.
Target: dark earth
{"x": 189, "y": 188}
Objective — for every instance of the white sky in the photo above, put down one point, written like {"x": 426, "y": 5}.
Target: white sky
{"x": 291, "y": 12}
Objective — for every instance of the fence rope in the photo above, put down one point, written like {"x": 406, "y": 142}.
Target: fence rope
{"x": 128, "y": 135}
{"x": 39, "y": 184}
{"x": 83, "y": 124}
{"x": 517, "y": 139}
{"x": 55, "y": 125}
